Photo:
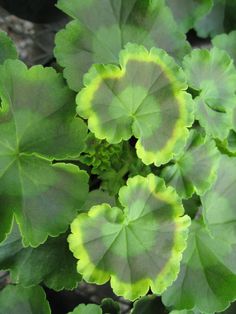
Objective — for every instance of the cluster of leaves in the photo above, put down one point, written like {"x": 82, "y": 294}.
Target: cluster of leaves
{"x": 125, "y": 171}
{"x": 111, "y": 162}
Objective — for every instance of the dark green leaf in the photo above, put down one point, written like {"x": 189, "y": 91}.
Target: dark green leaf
{"x": 97, "y": 197}
{"x": 194, "y": 170}
{"x": 102, "y": 28}
{"x": 37, "y": 118}
{"x": 19, "y": 300}
{"x": 212, "y": 73}
{"x": 188, "y": 12}
{"x": 226, "y": 42}
{"x": 207, "y": 278}
{"x": 213, "y": 22}
{"x": 138, "y": 247}
{"x": 144, "y": 97}
{"x": 109, "y": 306}
{"x": 51, "y": 262}
{"x": 219, "y": 202}
{"x": 149, "y": 304}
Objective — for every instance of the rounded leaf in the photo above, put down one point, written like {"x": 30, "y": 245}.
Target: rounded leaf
{"x": 226, "y": 42}
{"x": 212, "y": 73}
{"x": 44, "y": 198}
{"x": 219, "y": 202}
{"x": 207, "y": 278}
{"x": 16, "y": 300}
{"x": 149, "y": 304}
{"x": 87, "y": 309}
{"x": 38, "y": 112}
{"x": 145, "y": 97}
{"x": 220, "y": 19}
{"x": 138, "y": 247}
{"x": 188, "y": 12}
{"x": 212, "y": 23}
{"x": 38, "y": 125}
{"x": 186, "y": 312}
{"x": 51, "y": 262}
{"x": 194, "y": 170}
{"x": 97, "y": 196}
{"x": 102, "y": 28}
{"x": 109, "y": 306}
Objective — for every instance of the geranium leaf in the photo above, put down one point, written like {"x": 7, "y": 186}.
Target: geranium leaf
{"x": 7, "y": 48}
{"x": 188, "y": 12}
{"x": 145, "y": 97}
{"x": 226, "y": 42}
{"x": 219, "y": 202}
{"x": 207, "y": 278}
{"x": 138, "y": 247}
{"x": 220, "y": 19}
{"x": 97, "y": 196}
{"x": 87, "y": 309}
{"x": 109, "y": 306}
{"x": 16, "y": 300}
{"x": 149, "y": 304}
{"x": 213, "y": 22}
{"x": 212, "y": 73}
{"x": 44, "y": 122}
{"x": 51, "y": 262}
{"x": 186, "y": 312}
{"x": 43, "y": 197}
{"x": 102, "y": 28}
{"x": 194, "y": 170}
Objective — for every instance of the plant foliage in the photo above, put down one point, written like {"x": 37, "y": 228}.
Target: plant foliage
{"x": 118, "y": 166}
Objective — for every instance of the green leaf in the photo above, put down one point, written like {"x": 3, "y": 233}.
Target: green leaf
{"x": 37, "y": 125}
{"x": 87, "y": 309}
{"x": 97, "y": 196}
{"x": 138, "y": 247}
{"x": 51, "y": 262}
{"x": 219, "y": 20}
{"x": 213, "y": 22}
{"x": 186, "y": 312}
{"x": 194, "y": 170}
{"x": 145, "y": 97}
{"x": 149, "y": 304}
{"x": 229, "y": 20}
{"x": 7, "y": 48}
{"x": 226, "y": 42}
{"x": 19, "y": 300}
{"x": 109, "y": 306}
{"x": 44, "y": 198}
{"x": 228, "y": 146}
{"x": 44, "y": 122}
{"x": 212, "y": 73}
{"x": 219, "y": 202}
{"x": 207, "y": 278}
{"x": 102, "y": 28}
{"x": 188, "y": 12}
